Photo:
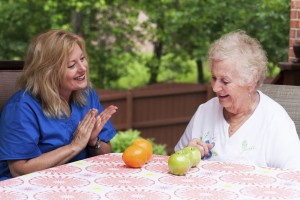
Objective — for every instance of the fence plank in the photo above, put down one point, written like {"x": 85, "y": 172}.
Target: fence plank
{"x": 159, "y": 111}
{"x": 129, "y": 108}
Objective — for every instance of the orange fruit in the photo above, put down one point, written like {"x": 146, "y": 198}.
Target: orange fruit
{"x": 146, "y": 145}
{"x": 134, "y": 156}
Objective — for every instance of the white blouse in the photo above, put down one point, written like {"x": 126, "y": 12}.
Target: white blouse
{"x": 267, "y": 139}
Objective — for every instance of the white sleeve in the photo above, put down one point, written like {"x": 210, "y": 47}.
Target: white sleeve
{"x": 186, "y": 136}
{"x": 203, "y": 119}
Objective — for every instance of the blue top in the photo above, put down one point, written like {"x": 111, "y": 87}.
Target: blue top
{"x": 25, "y": 132}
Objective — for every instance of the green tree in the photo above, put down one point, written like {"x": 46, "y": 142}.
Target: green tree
{"x": 18, "y": 25}
{"x": 186, "y": 28}
{"x": 107, "y": 26}
{"x": 180, "y": 30}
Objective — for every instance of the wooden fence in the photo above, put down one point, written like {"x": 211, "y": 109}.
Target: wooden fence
{"x": 159, "y": 111}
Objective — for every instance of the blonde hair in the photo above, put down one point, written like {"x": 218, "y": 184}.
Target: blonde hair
{"x": 45, "y": 70}
{"x": 246, "y": 52}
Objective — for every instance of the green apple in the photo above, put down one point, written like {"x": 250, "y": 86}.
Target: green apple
{"x": 179, "y": 163}
{"x": 196, "y": 155}
{"x": 189, "y": 154}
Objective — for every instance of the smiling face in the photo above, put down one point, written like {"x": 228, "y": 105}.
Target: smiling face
{"x": 227, "y": 84}
{"x": 76, "y": 73}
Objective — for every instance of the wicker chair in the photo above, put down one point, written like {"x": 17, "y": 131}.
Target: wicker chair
{"x": 288, "y": 96}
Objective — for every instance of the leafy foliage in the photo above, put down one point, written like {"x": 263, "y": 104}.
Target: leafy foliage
{"x": 180, "y": 31}
{"x": 186, "y": 28}
{"x": 124, "y": 139}
{"x": 18, "y": 25}
{"x": 107, "y": 26}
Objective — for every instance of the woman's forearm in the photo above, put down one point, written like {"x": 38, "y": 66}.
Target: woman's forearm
{"x": 50, "y": 159}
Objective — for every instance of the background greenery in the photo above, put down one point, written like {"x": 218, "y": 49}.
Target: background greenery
{"x": 124, "y": 139}
{"x": 180, "y": 31}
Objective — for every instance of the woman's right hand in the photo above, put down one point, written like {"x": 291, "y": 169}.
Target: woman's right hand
{"x": 84, "y": 130}
{"x": 202, "y": 146}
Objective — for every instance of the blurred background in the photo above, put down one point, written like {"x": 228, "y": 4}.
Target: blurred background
{"x": 133, "y": 43}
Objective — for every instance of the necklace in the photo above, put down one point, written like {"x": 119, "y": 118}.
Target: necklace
{"x": 237, "y": 120}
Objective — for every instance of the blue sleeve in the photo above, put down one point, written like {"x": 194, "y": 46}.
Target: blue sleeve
{"x": 108, "y": 131}
{"x": 19, "y": 132}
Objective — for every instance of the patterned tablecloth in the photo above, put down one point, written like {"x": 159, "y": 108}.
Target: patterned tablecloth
{"x": 106, "y": 177}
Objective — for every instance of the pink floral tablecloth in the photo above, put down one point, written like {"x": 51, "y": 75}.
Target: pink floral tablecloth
{"x": 106, "y": 177}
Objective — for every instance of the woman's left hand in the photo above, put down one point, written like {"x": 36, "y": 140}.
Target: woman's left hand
{"x": 101, "y": 120}
{"x": 203, "y": 147}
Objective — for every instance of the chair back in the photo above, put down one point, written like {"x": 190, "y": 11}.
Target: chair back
{"x": 9, "y": 71}
{"x": 288, "y": 96}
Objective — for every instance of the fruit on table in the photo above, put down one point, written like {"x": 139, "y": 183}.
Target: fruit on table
{"x": 196, "y": 155}
{"x": 179, "y": 163}
{"x": 135, "y": 156}
{"x": 189, "y": 154}
{"x": 138, "y": 153}
{"x": 146, "y": 145}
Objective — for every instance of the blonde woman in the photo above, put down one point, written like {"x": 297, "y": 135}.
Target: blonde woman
{"x": 56, "y": 116}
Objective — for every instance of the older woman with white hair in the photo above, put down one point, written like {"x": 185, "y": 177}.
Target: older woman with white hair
{"x": 241, "y": 124}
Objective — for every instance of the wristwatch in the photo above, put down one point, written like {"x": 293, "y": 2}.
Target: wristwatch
{"x": 97, "y": 145}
